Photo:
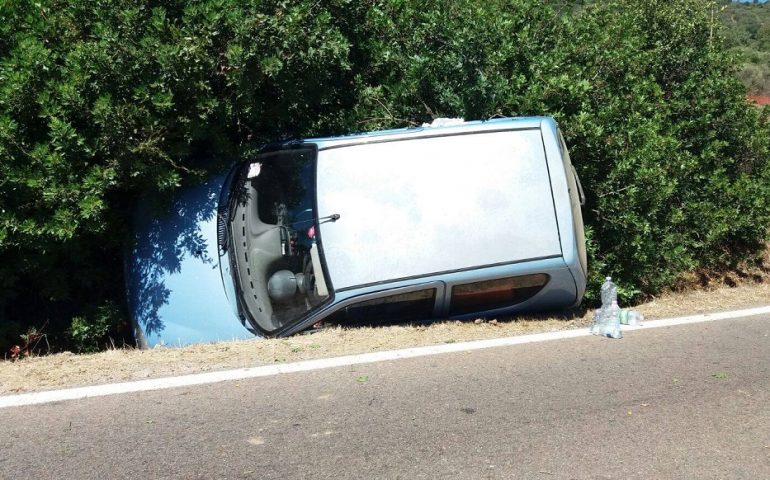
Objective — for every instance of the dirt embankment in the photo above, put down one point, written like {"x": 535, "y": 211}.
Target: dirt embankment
{"x": 63, "y": 370}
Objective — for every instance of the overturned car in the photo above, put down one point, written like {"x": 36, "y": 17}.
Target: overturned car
{"x": 462, "y": 220}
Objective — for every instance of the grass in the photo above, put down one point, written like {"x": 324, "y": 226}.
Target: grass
{"x": 67, "y": 369}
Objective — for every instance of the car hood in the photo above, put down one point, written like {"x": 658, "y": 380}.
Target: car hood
{"x": 176, "y": 290}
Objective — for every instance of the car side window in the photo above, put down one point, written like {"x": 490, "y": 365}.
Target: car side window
{"x": 499, "y": 293}
{"x": 402, "y": 307}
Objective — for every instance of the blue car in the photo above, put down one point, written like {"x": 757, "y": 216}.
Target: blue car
{"x": 455, "y": 220}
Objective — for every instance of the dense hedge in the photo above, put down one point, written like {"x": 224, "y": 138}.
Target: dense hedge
{"x": 101, "y": 101}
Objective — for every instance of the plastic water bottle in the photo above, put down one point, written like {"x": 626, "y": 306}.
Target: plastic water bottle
{"x": 630, "y": 317}
{"x": 611, "y": 321}
{"x": 596, "y": 327}
{"x": 609, "y": 292}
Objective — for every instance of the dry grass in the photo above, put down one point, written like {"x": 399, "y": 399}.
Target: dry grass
{"x": 54, "y": 371}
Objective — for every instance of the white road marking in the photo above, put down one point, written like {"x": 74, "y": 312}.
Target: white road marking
{"x": 35, "y": 398}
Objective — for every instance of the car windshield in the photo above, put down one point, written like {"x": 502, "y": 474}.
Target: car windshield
{"x": 273, "y": 230}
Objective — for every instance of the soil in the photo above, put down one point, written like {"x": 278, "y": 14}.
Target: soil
{"x": 68, "y": 370}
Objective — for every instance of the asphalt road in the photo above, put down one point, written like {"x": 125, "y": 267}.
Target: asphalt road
{"x": 679, "y": 402}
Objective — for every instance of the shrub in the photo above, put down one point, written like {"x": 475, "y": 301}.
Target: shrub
{"x": 101, "y": 101}
{"x": 676, "y": 159}
{"x": 90, "y": 332}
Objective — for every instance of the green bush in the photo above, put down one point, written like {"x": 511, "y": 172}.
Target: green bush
{"x": 101, "y": 101}
{"x": 91, "y": 332}
{"x": 675, "y": 159}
